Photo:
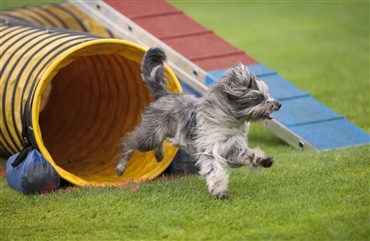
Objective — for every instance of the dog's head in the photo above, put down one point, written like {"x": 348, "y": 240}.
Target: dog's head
{"x": 247, "y": 95}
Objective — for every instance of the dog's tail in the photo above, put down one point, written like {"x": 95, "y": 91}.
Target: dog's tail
{"x": 152, "y": 70}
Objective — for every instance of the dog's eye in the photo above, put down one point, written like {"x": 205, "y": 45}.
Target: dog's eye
{"x": 260, "y": 98}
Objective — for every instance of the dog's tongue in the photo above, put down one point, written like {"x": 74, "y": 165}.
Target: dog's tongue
{"x": 268, "y": 116}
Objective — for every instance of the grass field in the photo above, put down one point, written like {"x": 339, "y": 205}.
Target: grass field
{"x": 321, "y": 47}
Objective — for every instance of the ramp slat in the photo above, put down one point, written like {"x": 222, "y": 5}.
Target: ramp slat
{"x": 202, "y": 46}
{"x": 136, "y": 9}
{"x": 304, "y": 110}
{"x": 175, "y": 25}
{"x": 332, "y": 134}
{"x": 221, "y": 62}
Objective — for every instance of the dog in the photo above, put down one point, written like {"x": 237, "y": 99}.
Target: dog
{"x": 212, "y": 128}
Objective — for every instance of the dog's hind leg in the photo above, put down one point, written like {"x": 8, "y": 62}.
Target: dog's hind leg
{"x": 128, "y": 149}
{"x": 122, "y": 162}
{"x": 159, "y": 153}
{"x": 142, "y": 139}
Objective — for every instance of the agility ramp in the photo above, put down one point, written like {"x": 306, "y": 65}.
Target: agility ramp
{"x": 95, "y": 96}
{"x": 303, "y": 122}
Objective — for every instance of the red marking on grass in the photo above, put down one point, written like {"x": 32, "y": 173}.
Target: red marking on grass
{"x": 136, "y": 188}
{"x": 128, "y": 185}
{"x": 60, "y": 190}
{"x": 49, "y": 187}
{"x": 167, "y": 177}
{"x": 2, "y": 172}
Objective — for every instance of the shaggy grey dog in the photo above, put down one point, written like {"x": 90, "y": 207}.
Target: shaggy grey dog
{"x": 213, "y": 128}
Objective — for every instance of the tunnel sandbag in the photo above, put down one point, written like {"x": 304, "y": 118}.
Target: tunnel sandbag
{"x": 85, "y": 92}
{"x": 31, "y": 174}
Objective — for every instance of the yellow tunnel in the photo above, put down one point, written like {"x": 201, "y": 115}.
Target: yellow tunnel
{"x": 85, "y": 91}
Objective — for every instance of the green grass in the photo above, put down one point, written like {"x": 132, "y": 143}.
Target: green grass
{"x": 4, "y": 4}
{"x": 305, "y": 196}
{"x": 323, "y": 48}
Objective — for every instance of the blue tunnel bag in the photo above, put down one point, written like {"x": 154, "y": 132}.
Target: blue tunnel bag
{"x": 29, "y": 173}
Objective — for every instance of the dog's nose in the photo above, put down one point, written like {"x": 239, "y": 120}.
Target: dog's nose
{"x": 275, "y": 105}
{"x": 278, "y": 106}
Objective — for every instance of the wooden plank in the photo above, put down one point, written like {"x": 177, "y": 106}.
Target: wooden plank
{"x": 304, "y": 110}
{"x": 282, "y": 89}
{"x": 332, "y": 134}
{"x": 142, "y": 9}
{"x": 224, "y": 62}
{"x": 174, "y": 25}
{"x": 202, "y": 46}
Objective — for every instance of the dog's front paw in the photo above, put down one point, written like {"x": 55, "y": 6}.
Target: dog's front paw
{"x": 221, "y": 195}
{"x": 267, "y": 162}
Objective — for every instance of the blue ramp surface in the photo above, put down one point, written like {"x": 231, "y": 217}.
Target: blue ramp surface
{"x": 311, "y": 121}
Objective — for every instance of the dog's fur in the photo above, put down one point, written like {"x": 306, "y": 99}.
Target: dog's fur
{"x": 213, "y": 128}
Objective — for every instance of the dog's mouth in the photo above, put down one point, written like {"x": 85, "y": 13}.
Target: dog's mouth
{"x": 272, "y": 108}
{"x": 268, "y": 116}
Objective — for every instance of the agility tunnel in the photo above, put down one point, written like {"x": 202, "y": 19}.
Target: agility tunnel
{"x": 75, "y": 94}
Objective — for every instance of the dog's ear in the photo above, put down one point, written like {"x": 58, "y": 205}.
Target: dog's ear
{"x": 240, "y": 71}
{"x": 239, "y": 74}
{"x": 253, "y": 82}
{"x": 243, "y": 75}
